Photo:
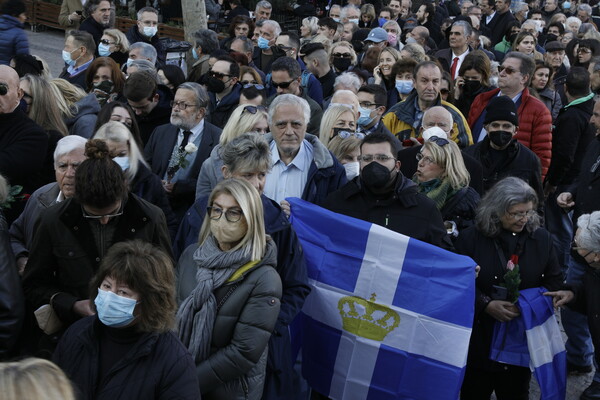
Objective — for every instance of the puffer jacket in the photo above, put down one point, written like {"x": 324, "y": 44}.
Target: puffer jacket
{"x": 235, "y": 369}
{"x": 84, "y": 120}
{"x": 535, "y": 124}
{"x": 13, "y": 39}
{"x": 399, "y": 120}
{"x": 210, "y": 173}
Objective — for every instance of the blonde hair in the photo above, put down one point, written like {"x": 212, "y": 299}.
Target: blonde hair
{"x": 46, "y": 73}
{"x": 34, "y": 379}
{"x": 346, "y": 44}
{"x": 120, "y": 39}
{"x": 416, "y": 52}
{"x": 241, "y": 122}
{"x": 330, "y": 117}
{"x": 254, "y": 241}
{"x": 450, "y": 159}
{"x": 69, "y": 95}
{"x": 343, "y": 147}
{"x": 324, "y": 40}
{"x": 43, "y": 109}
{"x": 117, "y": 132}
{"x": 393, "y": 52}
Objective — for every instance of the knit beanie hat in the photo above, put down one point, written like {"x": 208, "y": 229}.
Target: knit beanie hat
{"x": 501, "y": 108}
{"x": 14, "y": 8}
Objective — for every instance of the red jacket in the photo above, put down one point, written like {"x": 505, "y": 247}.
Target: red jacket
{"x": 535, "y": 124}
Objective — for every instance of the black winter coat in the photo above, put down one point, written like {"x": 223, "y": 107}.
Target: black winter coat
{"x": 64, "y": 255}
{"x": 461, "y": 208}
{"x": 157, "y": 366}
{"x": 521, "y": 163}
{"x": 93, "y": 28}
{"x": 134, "y": 36}
{"x": 404, "y": 210}
{"x": 538, "y": 266}
{"x": 587, "y": 301}
{"x": 570, "y": 139}
{"x": 586, "y": 190}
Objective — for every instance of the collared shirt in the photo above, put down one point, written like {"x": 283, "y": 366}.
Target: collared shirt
{"x": 60, "y": 197}
{"x": 460, "y": 61}
{"x": 288, "y": 180}
{"x": 74, "y": 71}
{"x": 196, "y": 131}
{"x": 489, "y": 18}
{"x": 418, "y": 115}
{"x": 515, "y": 100}
{"x": 368, "y": 131}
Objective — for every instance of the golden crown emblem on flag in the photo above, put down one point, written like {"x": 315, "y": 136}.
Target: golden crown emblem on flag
{"x": 367, "y": 319}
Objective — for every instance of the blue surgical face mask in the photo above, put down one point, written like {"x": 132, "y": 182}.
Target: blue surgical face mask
{"x": 195, "y": 53}
{"x": 566, "y": 5}
{"x": 130, "y": 61}
{"x": 150, "y": 31}
{"x": 123, "y": 162}
{"x": 337, "y": 20}
{"x": 404, "y": 86}
{"x": 113, "y": 310}
{"x": 411, "y": 40}
{"x": 382, "y": 21}
{"x": 355, "y": 20}
{"x": 365, "y": 116}
{"x": 263, "y": 43}
{"x": 104, "y": 50}
{"x": 66, "y": 55}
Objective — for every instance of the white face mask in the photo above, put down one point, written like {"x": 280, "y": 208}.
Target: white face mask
{"x": 150, "y": 31}
{"x": 352, "y": 169}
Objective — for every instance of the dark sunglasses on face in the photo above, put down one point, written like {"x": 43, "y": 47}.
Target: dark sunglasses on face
{"x": 254, "y": 109}
{"x": 106, "y": 42}
{"x": 444, "y": 91}
{"x": 508, "y": 70}
{"x": 438, "y": 140}
{"x": 217, "y": 75}
{"x": 342, "y": 55}
{"x": 254, "y": 85}
{"x": 283, "y": 85}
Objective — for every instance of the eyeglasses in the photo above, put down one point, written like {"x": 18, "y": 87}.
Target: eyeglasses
{"x": 368, "y": 104}
{"x": 508, "y": 70}
{"x": 444, "y": 91}
{"x": 106, "y": 42}
{"x": 254, "y": 85}
{"x": 283, "y": 85}
{"x": 98, "y": 217}
{"x": 520, "y": 215}
{"x": 438, "y": 140}
{"x": 181, "y": 105}
{"x": 249, "y": 83}
{"x": 217, "y": 75}
{"x": 378, "y": 157}
{"x": 584, "y": 50}
{"x": 342, "y": 55}
{"x": 426, "y": 159}
{"x": 346, "y": 134}
{"x": 254, "y": 109}
{"x": 284, "y": 48}
{"x": 231, "y": 215}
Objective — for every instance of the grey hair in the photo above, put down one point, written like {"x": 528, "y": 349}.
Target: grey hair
{"x": 573, "y": 19}
{"x": 91, "y": 6}
{"x": 499, "y": 199}
{"x": 263, "y": 4}
{"x": 247, "y": 43}
{"x": 589, "y": 231}
{"x": 274, "y": 24}
{"x": 347, "y": 79}
{"x": 311, "y": 23}
{"x": 148, "y": 51}
{"x": 467, "y": 28}
{"x": 207, "y": 39}
{"x": 143, "y": 65}
{"x": 291, "y": 100}
{"x": 345, "y": 9}
{"x": 585, "y": 8}
{"x": 146, "y": 9}
{"x": 3, "y": 189}
{"x": 199, "y": 92}
{"x": 247, "y": 152}
{"x": 520, "y": 6}
{"x": 67, "y": 145}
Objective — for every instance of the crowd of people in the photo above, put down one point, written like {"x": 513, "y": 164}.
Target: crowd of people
{"x": 145, "y": 241}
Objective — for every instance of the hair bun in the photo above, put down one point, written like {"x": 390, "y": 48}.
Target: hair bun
{"x": 96, "y": 149}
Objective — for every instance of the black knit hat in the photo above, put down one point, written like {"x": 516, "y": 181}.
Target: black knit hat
{"x": 14, "y": 8}
{"x": 501, "y": 108}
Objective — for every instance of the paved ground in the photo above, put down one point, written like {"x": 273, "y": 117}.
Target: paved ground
{"x": 48, "y": 44}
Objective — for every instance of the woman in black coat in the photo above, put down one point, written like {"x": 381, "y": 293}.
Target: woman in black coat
{"x": 142, "y": 182}
{"x": 506, "y": 225}
{"x": 128, "y": 349}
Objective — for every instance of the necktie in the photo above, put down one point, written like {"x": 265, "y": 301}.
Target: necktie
{"x": 453, "y": 68}
{"x": 186, "y": 139}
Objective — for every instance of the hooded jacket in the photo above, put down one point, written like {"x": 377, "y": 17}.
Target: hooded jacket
{"x": 13, "y": 39}
{"x": 84, "y": 120}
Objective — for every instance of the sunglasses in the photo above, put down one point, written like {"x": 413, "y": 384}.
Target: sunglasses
{"x": 342, "y": 55}
{"x": 283, "y": 85}
{"x": 508, "y": 70}
{"x": 343, "y": 134}
{"x": 106, "y": 42}
{"x": 254, "y": 85}
{"x": 444, "y": 91}
{"x": 254, "y": 109}
{"x": 217, "y": 75}
{"x": 438, "y": 140}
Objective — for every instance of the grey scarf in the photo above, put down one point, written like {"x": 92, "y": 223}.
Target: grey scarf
{"x": 196, "y": 316}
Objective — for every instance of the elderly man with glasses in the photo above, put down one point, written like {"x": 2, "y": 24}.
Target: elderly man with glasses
{"x": 176, "y": 151}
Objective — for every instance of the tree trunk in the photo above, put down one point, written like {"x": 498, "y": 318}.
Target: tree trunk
{"x": 194, "y": 18}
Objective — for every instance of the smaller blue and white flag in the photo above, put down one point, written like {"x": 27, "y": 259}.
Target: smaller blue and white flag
{"x": 534, "y": 340}
{"x": 388, "y": 317}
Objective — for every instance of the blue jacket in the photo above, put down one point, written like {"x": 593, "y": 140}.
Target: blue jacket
{"x": 13, "y": 39}
{"x": 291, "y": 267}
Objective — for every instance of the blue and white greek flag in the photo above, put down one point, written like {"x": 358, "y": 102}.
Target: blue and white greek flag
{"x": 389, "y": 317}
{"x": 534, "y": 340}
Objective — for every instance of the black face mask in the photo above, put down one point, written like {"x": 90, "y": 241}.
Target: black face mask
{"x": 500, "y": 138}
{"x": 471, "y": 86}
{"x": 512, "y": 37}
{"x": 277, "y": 52}
{"x": 375, "y": 175}
{"x": 215, "y": 85}
{"x": 341, "y": 64}
{"x": 551, "y": 37}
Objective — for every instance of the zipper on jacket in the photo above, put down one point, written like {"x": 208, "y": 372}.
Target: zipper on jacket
{"x": 245, "y": 386}
{"x": 387, "y": 219}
